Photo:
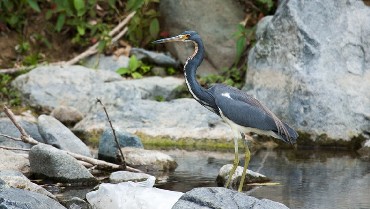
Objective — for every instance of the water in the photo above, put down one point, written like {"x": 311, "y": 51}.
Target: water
{"x": 308, "y": 178}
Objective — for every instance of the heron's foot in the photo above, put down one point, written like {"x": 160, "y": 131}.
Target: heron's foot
{"x": 246, "y": 163}
{"x": 232, "y": 171}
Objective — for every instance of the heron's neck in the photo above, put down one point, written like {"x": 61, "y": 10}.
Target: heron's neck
{"x": 198, "y": 92}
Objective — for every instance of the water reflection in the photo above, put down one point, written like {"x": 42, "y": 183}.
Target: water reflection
{"x": 308, "y": 178}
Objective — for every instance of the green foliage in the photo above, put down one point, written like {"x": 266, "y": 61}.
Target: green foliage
{"x": 243, "y": 36}
{"x": 14, "y": 12}
{"x": 136, "y": 68}
{"x": 233, "y": 77}
{"x": 7, "y": 94}
{"x": 81, "y": 16}
{"x": 144, "y": 26}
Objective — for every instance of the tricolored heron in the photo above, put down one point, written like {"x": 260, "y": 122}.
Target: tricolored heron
{"x": 242, "y": 112}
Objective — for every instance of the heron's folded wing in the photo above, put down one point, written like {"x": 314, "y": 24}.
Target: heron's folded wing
{"x": 244, "y": 113}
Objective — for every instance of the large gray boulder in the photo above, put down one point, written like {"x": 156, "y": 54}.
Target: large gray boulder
{"x": 180, "y": 118}
{"x": 214, "y": 20}
{"x": 51, "y": 86}
{"x": 311, "y": 66}
{"x": 56, "y": 134}
{"x": 219, "y": 197}
{"x": 56, "y": 164}
{"x": 18, "y": 198}
{"x": 78, "y": 87}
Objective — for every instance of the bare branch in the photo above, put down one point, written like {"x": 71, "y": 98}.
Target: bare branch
{"x": 24, "y": 136}
{"x": 14, "y": 148}
{"x": 94, "y": 49}
{"x": 10, "y": 137}
{"x": 114, "y": 134}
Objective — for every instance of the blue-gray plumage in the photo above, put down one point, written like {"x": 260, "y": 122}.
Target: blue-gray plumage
{"x": 241, "y": 111}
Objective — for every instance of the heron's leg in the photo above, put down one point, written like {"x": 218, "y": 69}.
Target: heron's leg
{"x": 246, "y": 163}
{"x": 236, "y": 160}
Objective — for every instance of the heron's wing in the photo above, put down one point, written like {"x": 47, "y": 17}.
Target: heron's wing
{"x": 247, "y": 111}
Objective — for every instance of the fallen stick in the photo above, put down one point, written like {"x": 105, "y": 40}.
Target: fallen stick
{"x": 101, "y": 164}
{"x": 14, "y": 148}
{"x": 94, "y": 49}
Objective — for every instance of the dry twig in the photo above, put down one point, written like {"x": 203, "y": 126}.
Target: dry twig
{"x": 114, "y": 133}
{"x": 14, "y": 148}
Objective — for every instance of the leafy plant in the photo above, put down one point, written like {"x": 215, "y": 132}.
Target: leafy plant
{"x": 14, "y": 13}
{"x": 136, "y": 68}
{"x": 233, "y": 77}
{"x": 144, "y": 26}
{"x": 7, "y": 93}
{"x": 243, "y": 37}
{"x": 81, "y": 16}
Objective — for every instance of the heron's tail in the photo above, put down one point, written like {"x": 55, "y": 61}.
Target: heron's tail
{"x": 292, "y": 134}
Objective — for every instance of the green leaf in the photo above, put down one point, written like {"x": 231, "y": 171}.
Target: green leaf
{"x": 134, "y": 63}
{"x": 133, "y": 5}
{"x": 79, "y": 6}
{"x": 240, "y": 44}
{"x": 154, "y": 28}
{"x": 112, "y": 3}
{"x": 48, "y": 14}
{"x": 101, "y": 46}
{"x": 34, "y": 5}
{"x": 60, "y": 22}
{"x": 81, "y": 30}
{"x": 136, "y": 75}
{"x": 9, "y": 5}
{"x": 123, "y": 71}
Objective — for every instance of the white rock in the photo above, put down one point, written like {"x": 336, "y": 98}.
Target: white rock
{"x": 133, "y": 196}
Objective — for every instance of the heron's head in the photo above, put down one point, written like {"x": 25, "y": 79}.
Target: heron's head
{"x": 184, "y": 37}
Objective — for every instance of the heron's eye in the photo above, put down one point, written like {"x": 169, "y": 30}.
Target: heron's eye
{"x": 187, "y": 36}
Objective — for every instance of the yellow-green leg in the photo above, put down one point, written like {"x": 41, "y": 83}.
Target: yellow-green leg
{"x": 246, "y": 163}
{"x": 236, "y": 160}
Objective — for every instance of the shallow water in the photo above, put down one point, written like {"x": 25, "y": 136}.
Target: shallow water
{"x": 308, "y": 178}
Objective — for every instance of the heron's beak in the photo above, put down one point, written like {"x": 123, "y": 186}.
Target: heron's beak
{"x": 172, "y": 39}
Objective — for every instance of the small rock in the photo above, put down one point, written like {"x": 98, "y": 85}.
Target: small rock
{"x": 18, "y": 198}
{"x": 16, "y": 179}
{"x": 160, "y": 59}
{"x": 124, "y": 176}
{"x": 108, "y": 147}
{"x": 14, "y": 161}
{"x": 159, "y": 71}
{"x": 59, "y": 136}
{"x": 111, "y": 63}
{"x": 56, "y": 164}
{"x": 365, "y": 151}
{"x": 67, "y": 115}
{"x": 150, "y": 160}
{"x": 8, "y": 128}
{"x": 219, "y": 197}
{"x": 251, "y": 176}
{"x": 76, "y": 203}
